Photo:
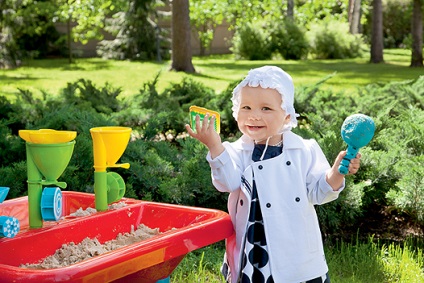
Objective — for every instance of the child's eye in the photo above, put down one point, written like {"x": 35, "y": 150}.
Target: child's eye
{"x": 266, "y": 108}
{"x": 245, "y": 107}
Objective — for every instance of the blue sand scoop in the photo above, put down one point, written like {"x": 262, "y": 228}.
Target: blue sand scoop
{"x": 357, "y": 131}
{"x": 9, "y": 226}
{"x": 3, "y": 193}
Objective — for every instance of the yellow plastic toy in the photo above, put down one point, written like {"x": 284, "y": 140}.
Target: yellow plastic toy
{"x": 196, "y": 110}
{"x": 47, "y": 136}
{"x": 109, "y": 143}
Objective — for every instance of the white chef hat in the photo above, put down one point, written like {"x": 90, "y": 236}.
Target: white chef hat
{"x": 269, "y": 77}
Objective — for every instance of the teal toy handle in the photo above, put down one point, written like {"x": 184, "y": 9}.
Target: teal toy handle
{"x": 351, "y": 153}
{"x": 357, "y": 131}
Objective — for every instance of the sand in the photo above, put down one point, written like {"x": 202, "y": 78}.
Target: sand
{"x": 71, "y": 253}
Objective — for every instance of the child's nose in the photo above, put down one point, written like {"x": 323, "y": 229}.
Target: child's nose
{"x": 254, "y": 115}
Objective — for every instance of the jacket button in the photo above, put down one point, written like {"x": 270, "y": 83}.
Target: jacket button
{"x": 241, "y": 202}
{"x": 288, "y": 163}
{"x": 260, "y": 167}
{"x": 297, "y": 199}
{"x": 268, "y": 205}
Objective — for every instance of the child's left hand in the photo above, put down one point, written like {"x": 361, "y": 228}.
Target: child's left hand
{"x": 334, "y": 177}
{"x": 354, "y": 164}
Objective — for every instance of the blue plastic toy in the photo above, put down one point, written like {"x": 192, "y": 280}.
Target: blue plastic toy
{"x": 51, "y": 204}
{"x": 357, "y": 131}
{"x": 3, "y": 193}
{"x": 9, "y": 226}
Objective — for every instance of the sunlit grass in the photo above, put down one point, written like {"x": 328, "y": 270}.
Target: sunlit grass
{"x": 216, "y": 72}
{"x": 358, "y": 262}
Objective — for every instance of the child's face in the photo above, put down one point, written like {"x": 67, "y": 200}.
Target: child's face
{"x": 260, "y": 115}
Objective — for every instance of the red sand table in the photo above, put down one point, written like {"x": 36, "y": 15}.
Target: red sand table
{"x": 183, "y": 229}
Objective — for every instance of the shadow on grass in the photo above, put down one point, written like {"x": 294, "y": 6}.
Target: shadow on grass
{"x": 63, "y": 64}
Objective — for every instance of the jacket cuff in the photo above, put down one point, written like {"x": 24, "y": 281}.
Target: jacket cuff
{"x": 218, "y": 161}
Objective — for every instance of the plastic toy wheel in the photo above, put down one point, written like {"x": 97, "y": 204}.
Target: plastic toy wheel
{"x": 51, "y": 204}
{"x": 9, "y": 226}
{"x": 115, "y": 187}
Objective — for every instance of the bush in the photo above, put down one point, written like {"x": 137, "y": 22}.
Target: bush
{"x": 169, "y": 166}
{"x": 252, "y": 42}
{"x": 87, "y": 96}
{"x": 289, "y": 40}
{"x": 332, "y": 40}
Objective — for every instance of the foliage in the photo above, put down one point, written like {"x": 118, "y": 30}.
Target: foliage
{"x": 311, "y": 12}
{"x": 397, "y": 16}
{"x": 332, "y": 40}
{"x": 205, "y": 16}
{"x": 252, "y": 42}
{"x": 239, "y": 13}
{"x": 168, "y": 166}
{"x": 25, "y": 31}
{"x": 289, "y": 40}
{"x": 136, "y": 34}
{"x": 85, "y": 94}
{"x": 88, "y": 15}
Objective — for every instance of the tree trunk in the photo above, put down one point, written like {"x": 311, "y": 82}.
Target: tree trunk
{"x": 69, "y": 39}
{"x": 354, "y": 16}
{"x": 290, "y": 9}
{"x": 377, "y": 32}
{"x": 417, "y": 34}
{"x": 181, "y": 41}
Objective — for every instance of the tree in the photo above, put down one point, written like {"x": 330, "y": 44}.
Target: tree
{"x": 181, "y": 40}
{"x": 22, "y": 24}
{"x": 417, "y": 34}
{"x": 89, "y": 16}
{"x": 377, "y": 32}
{"x": 354, "y": 16}
{"x": 205, "y": 16}
{"x": 290, "y": 9}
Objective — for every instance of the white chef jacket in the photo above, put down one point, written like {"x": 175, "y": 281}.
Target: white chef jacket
{"x": 288, "y": 186}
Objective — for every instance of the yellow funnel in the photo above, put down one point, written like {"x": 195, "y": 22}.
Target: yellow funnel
{"x": 47, "y": 136}
{"x": 109, "y": 143}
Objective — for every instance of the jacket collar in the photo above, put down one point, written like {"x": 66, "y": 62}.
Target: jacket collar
{"x": 291, "y": 141}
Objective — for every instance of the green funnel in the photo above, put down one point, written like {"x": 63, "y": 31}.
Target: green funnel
{"x": 51, "y": 160}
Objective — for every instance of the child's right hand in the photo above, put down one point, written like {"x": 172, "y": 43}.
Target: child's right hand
{"x": 207, "y": 135}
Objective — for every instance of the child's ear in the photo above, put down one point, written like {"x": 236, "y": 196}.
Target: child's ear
{"x": 287, "y": 118}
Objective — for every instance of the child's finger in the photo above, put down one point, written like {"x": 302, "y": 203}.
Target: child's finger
{"x": 197, "y": 123}
{"x": 339, "y": 158}
{"x": 205, "y": 121}
{"x": 212, "y": 123}
{"x": 189, "y": 130}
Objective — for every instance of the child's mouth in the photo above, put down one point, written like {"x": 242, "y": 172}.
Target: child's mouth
{"x": 255, "y": 127}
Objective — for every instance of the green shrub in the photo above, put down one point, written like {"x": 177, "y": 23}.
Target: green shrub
{"x": 252, "y": 42}
{"x": 169, "y": 166}
{"x": 289, "y": 40}
{"x": 87, "y": 96}
{"x": 332, "y": 40}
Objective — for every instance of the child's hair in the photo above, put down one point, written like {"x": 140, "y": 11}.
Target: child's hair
{"x": 269, "y": 77}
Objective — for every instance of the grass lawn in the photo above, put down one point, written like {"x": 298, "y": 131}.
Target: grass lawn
{"x": 51, "y": 75}
{"x": 357, "y": 262}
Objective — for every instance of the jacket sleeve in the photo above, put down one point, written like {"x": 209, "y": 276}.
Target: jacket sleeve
{"x": 319, "y": 191}
{"x": 226, "y": 170}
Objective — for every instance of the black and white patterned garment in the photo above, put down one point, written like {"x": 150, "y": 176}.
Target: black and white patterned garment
{"x": 255, "y": 263}
{"x": 255, "y": 266}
